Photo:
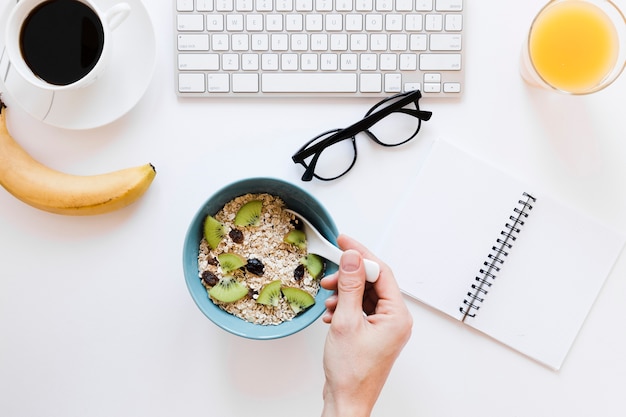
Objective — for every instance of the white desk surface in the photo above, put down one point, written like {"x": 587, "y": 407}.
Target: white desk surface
{"x": 95, "y": 318}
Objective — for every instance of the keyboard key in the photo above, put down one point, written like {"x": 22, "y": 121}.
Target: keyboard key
{"x": 191, "y": 83}
{"x": 408, "y": 62}
{"x": 184, "y": 5}
{"x": 414, "y": 22}
{"x": 445, "y": 42}
{"x": 343, "y": 5}
{"x": 224, "y": 5}
{"x": 374, "y": 22}
{"x": 245, "y": 83}
{"x": 329, "y": 62}
{"x": 244, "y": 5}
{"x": 193, "y": 42}
{"x": 190, "y": 22}
{"x": 423, "y": 5}
{"x": 250, "y": 62}
{"x": 294, "y": 22}
{"x": 349, "y": 62}
{"x": 364, "y": 5}
{"x": 432, "y": 77}
{"x": 354, "y": 22}
{"x": 449, "y": 5}
{"x": 370, "y": 83}
{"x": 304, "y": 5}
{"x": 323, "y": 5}
{"x": 284, "y": 5}
{"x": 432, "y": 87}
{"x": 404, "y": 5}
{"x": 314, "y": 22}
{"x": 418, "y": 42}
{"x": 308, "y": 83}
{"x": 204, "y": 5}
{"x": 254, "y": 22}
{"x": 453, "y": 23}
{"x": 264, "y": 5}
{"x": 384, "y": 5}
{"x": 412, "y": 86}
{"x": 334, "y": 22}
{"x": 433, "y": 22}
{"x": 440, "y": 62}
{"x": 198, "y": 62}
{"x": 368, "y": 62}
{"x": 308, "y": 62}
{"x": 452, "y": 87}
{"x": 215, "y": 22}
{"x": 269, "y": 62}
{"x": 289, "y": 62}
{"x": 393, "y": 83}
{"x": 218, "y": 83}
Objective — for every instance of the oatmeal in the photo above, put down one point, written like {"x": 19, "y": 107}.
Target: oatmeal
{"x": 246, "y": 248}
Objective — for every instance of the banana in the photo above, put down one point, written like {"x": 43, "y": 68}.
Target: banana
{"x": 57, "y": 192}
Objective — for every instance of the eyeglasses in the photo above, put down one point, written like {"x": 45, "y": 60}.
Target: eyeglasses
{"x": 332, "y": 154}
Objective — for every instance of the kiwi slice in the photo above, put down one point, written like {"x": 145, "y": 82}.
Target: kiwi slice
{"x": 214, "y": 231}
{"x": 228, "y": 290}
{"x": 298, "y": 299}
{"x": 296, "y": 238}
{"x": 314, "y": 264}
{"x": 270, "y": 294}
{"x": 249, "y": 214}
{"x": 230, "y": 261}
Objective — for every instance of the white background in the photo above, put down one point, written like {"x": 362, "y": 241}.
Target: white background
{"x": 95, "y": 318}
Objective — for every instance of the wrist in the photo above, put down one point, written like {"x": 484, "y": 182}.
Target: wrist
{"x": 335, "y": 406}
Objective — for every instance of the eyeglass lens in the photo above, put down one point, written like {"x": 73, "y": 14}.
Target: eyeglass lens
{"x": 335, "y": 160}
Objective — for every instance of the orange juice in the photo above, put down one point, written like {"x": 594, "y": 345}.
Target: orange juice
{"x": 573, "y": 45}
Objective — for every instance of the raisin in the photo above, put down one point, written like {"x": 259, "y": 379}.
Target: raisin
{"x": 212, "y": 261}
{"x": 297, "y": 224}
{"x": 209, "y": 278}
{"x": 255, "y": 266}
{"x": 236, "y": 235}
{"x": 298, "y": 274}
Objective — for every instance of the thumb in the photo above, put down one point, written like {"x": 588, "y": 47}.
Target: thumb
{"x": 350, "y": 285}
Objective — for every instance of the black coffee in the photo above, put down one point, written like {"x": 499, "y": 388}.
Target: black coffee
{"x": 61, "y": 41}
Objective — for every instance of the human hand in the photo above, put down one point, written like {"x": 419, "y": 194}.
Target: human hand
{"x": 369, "y": 326}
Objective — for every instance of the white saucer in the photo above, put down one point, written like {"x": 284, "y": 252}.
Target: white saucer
{"x": 125, "y": 80}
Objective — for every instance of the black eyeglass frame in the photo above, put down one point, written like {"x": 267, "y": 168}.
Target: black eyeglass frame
{"x": 370, "y": 119}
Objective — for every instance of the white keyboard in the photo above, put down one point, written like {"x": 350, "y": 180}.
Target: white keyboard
{"x": 319, "y": 47}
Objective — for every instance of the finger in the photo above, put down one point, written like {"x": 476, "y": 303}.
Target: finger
{"x": 329, "y": 282}
{"x": 327, "y": 317}
{"x": 331, "y": 302}
{"x": 386, "y": 287}
{"x": 350, "y": 285}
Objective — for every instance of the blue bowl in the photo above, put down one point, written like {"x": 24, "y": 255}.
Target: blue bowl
{"x": 296, "y": 199}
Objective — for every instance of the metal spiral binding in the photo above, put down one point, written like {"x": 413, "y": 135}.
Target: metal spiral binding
{"x": 495, "y": 259}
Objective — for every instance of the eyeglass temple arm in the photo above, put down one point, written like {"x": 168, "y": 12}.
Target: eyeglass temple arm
{"x": 420, "y": 114}
{"x": 310, "y": 168}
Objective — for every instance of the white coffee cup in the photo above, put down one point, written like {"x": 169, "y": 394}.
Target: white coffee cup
{"x": 56, "y": 67}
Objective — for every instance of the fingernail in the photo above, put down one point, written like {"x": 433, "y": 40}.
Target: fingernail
{"x": 350, "y": 261}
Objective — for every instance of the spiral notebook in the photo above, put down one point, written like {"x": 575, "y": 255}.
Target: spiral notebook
{"x": 498, "y": 254}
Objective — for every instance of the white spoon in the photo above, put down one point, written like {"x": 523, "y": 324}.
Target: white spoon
{"x": 317, "y": 244}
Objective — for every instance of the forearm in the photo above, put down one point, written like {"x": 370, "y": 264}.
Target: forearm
{"x": 349, "y": 406}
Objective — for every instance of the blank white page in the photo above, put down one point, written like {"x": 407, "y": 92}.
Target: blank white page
{"x": 547, "y": 282}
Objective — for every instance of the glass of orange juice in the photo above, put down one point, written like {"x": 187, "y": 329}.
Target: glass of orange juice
{"x": 575, "y": 46}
